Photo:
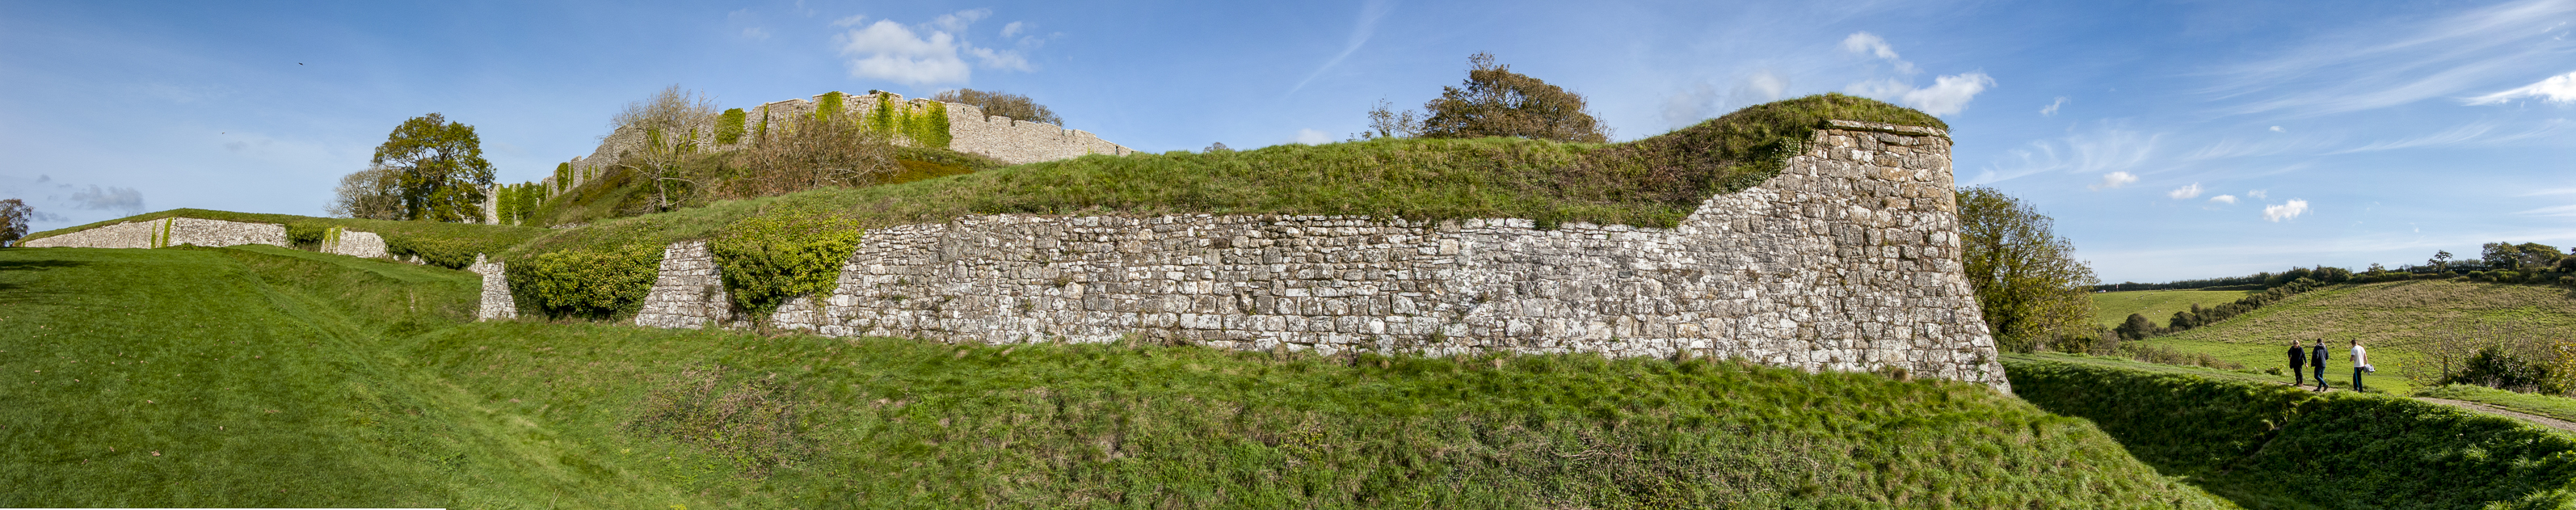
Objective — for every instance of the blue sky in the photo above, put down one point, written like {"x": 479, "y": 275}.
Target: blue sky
{"x": 2169, "y": 139}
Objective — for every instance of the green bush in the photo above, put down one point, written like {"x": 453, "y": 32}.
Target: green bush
{"x": 828, "y": 105}
{"x": 729, "y": 126}
{"x": 768, "y": 260}
{"x": 2255, "y": 441}
{"x": 599, "y": 284}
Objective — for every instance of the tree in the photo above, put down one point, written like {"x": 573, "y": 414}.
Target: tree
{"x": 2028, "y": 283}
{"x": 14, "y": 214}
{"x": 2138, "y": 327}
{"x": 2441, "y": 260}
{"x": 676, "y": 123}
{"x": 1385, "y": 122}
{"x": 441, "y": 172}
{"x": 1000, "y": 103}
{"x": 1494, "y": 101}
{"x": 374, "y": 194}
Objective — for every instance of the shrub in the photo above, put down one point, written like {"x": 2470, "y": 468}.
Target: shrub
{"x": 729, "y": 126}
{"x": 770, "y": 259}
{"x": 607, "y": 283}
{"x": 2495, "y": 367}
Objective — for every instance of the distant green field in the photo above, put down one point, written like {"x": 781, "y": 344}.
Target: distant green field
{"x": 2112, "y": 308}
{"x": 267, "y": 377}
{"x": 2396, "y": 320}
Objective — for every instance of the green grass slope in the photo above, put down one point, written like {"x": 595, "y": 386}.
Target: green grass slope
{"x": 268, "y": 377}
{"x": 2396, "y": 320}
{"x": 2112, "y": 308}
{"x": 2267, "y": 445}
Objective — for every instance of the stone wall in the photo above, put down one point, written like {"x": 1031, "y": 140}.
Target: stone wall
{"x": 193, "y": 231}
{"x": 970, "y": 130}
{"x": 356, "y": 244}
{"x": 1848, "y": 260}
{"x": 688, "y": 293}
{"x": 496, "y": 302}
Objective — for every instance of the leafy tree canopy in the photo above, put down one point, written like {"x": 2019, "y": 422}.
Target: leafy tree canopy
{"x": 439, "y": 167}
{"x": 14, "y": 214}
{"x": 2027, "y": 279}
{"x": 1494, "y": 101}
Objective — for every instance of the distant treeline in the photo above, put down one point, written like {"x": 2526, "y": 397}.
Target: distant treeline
{"x": 2139, "y": 327}
{"x": 2499, "y": 262}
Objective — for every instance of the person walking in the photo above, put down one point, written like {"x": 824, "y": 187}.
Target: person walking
{"x": 2317, "y": 359}
{"x": 2360, "y": 363}
{"x": 2298, "y": 364}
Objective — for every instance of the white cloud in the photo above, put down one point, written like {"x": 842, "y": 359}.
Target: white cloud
{"x": 2051, "y": 109}
{"x": 2256, "y": 194}
{"x": 2114, "y": 180}
{"x": 2555, "y": 89}
{"x": 1370, "y": 13}
{"x": 2277, "y": 129}
{"x": 2185, "y": 192}
{"x": 2291, "y": 210}
{"x": 2224, "y": 199}
{"x": 2378, "y": 66}
{"x": 1866, "y": 43}
{"x": 109, "y": 198}
{"x": 1309, "y": 136}
{"x": 1949, "y": 94}
{"x": 2093, "y": 151}
{"x": 935, "y": 54}
{"x": 1701, "y": 100}
{"x": 1013, "y": 28}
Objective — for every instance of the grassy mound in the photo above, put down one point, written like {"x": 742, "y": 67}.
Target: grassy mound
{"x": 2268, "y": 445}
{"x": 269, "y": 377}
{"x": 451, "y": 245}
{"x": 1653, "y": 182}
{"x": 2112, "y": 308}
{"x": 2398, "y": 321}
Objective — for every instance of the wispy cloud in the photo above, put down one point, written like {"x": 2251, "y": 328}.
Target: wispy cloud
{"x": 930, "y": 54}
{"x": 2106, "y": 149}
{"x": 1702, "y": 100}
{"x": 2224, "y": 199}
{"x": 2185, "y": 192}
{"x": 1370, "y": 13}
{"x": 2051, "y": 109}
{"x": 1947, "y": 95}
{"x": 1872, "y": 45}
{"x": 2554, "y": 211}
{"x": 110, "y": 198}
{"x": 1310, "y": 136}
{"x": 2114, "y": 180}
{"x": 2376, "y": 67}
{"x": 2285, "y": 211}
{"x": 2556, "y": 89}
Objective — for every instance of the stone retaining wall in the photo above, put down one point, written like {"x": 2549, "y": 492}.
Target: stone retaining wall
{"x": 688, "y": 293}
{"x": 168, "y": 232}
{"x": 496, "y": 302}
{"x": 357, "y": 244}
{"x": 1848, "y": 260}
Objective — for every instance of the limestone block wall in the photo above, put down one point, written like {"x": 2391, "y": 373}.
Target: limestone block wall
{"x": 688, "y": 293}
{"x": 1010, "y": 140}
{"x": 1848, "y": 260}
{"x": 356, "y": 244}
{"x": 150, "y": 234}
{"x": 496, "y": 302}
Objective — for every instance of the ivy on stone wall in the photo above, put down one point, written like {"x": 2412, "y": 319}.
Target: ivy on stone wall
{"x": 763, "y": 132}
{"x": 922, "y": 126}
{"x": 829, "y": 105}
{"x": 729, "y": 126}
{"x": 767, "y": 260}
{"x": 599, "y": 283}
{"x": 563, "y": 177}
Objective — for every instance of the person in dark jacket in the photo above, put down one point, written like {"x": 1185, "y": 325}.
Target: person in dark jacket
{"x": 2317, "y": 358}
{"x": 2298, "y": 364}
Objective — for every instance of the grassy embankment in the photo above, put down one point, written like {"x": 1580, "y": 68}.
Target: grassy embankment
{"x": 2396, "y": 320}
{"x": 603, "y": 270}
{"x": 451, "y": 245}
{"x": 259, "y": 376}
{"x": 2112, "y": 308}
{"x": 2266, "y": 445}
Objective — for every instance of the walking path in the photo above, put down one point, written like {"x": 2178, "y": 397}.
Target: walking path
{"x": 2483, "y": 408}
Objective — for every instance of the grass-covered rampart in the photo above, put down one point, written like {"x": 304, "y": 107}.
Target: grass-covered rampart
{"x": 264, "y": 377}
{"x": 1654, "y": 182}
{"x": 450, "y": 245}
{"x": 2268, "y": 445}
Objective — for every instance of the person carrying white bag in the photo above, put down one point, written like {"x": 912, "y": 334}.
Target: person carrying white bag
{"x": 2360, "y": 363}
